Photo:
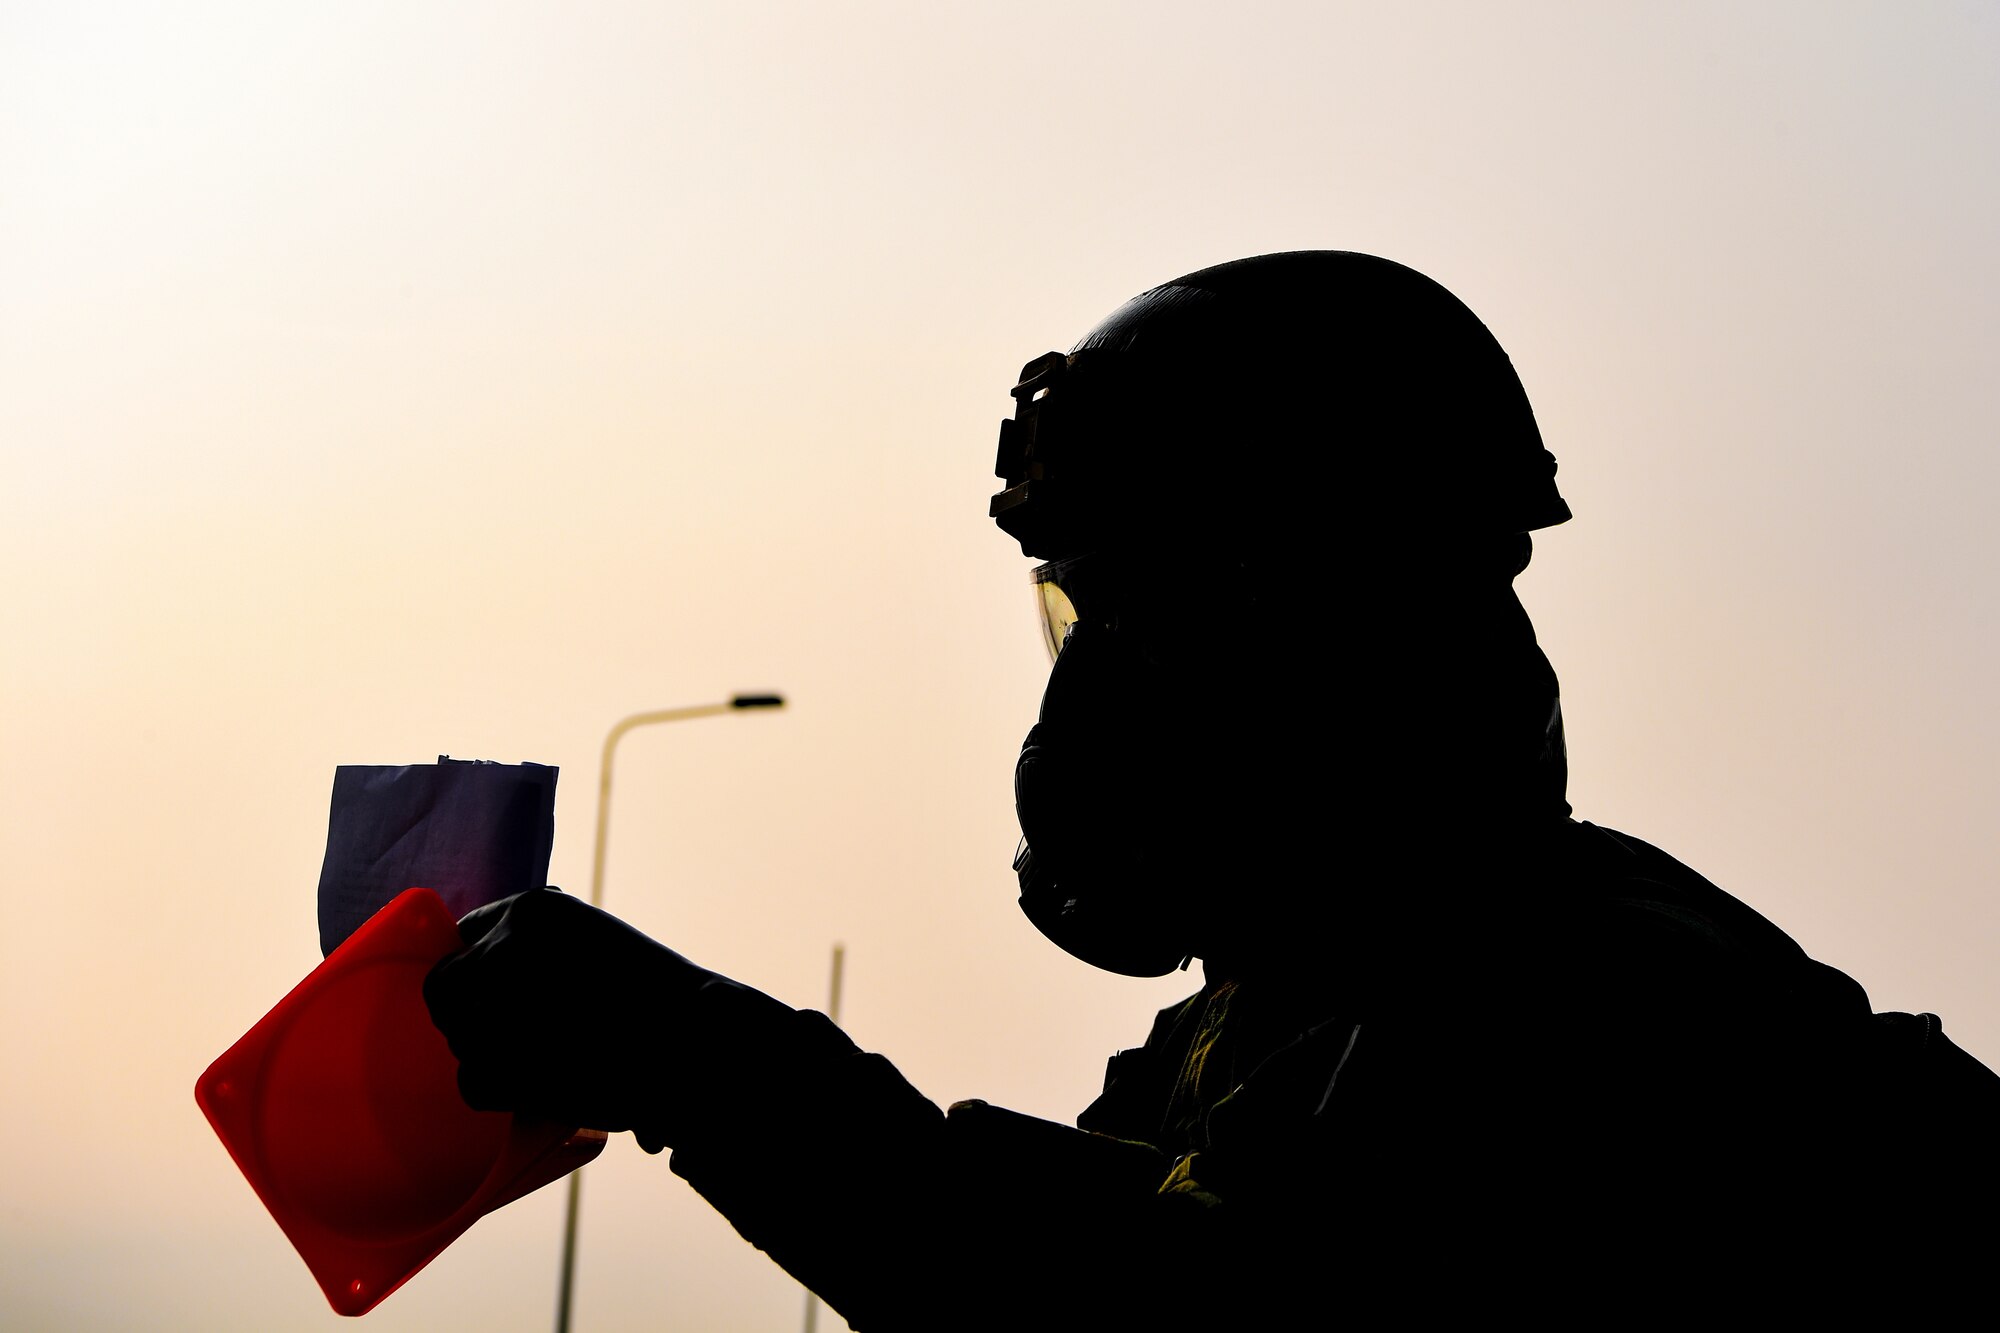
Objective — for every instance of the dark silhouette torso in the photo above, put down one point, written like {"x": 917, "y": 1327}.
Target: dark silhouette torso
{"x": 1597, "y": 1078}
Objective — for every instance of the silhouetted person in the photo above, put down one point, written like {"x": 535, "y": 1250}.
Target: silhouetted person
{"x": 1455, "y": 1054}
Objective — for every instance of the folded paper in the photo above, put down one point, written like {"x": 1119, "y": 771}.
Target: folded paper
{"x": 473, "y": 831}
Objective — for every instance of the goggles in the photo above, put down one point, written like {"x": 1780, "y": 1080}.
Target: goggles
{"x": 1100, "y": 589}
{"x": 1057, "y": 588}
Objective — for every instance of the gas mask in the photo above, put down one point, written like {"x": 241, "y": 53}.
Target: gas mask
{"x": 1194, "y": 780}
{"x": 1123, "y": 786}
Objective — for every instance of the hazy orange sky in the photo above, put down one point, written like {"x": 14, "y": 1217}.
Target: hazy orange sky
{"x": 386, "y": 380}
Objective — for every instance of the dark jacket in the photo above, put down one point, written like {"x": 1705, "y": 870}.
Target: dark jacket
{"x": 1597, "y": 1089}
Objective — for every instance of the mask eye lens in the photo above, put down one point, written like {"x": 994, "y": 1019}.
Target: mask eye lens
{"x": 1058, "y": 614}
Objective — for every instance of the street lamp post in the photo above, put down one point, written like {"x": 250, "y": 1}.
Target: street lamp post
{"x": 735, "y": 703}
{"x": 832, "y": 1012}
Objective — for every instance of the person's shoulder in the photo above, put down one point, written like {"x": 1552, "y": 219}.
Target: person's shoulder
{"x": 1611, "y": 852}
{"x": 1657, "y": 915}
{"x": 1629, "y": 879}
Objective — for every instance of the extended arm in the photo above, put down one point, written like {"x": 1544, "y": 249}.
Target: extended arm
{"x": 902, "y": 1216}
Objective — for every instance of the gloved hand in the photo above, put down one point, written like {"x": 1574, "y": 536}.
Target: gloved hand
{"x": 559, "y": 1010}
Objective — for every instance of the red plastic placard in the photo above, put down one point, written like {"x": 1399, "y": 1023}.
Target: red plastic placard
{"x": 341, "y": 1107}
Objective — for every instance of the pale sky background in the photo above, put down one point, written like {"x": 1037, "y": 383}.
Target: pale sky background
{"x": 381, "y": 380}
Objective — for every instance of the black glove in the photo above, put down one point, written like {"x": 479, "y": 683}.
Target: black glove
{"x": 558, "y": 1010}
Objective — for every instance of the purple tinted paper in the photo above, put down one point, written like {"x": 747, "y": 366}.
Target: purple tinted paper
{"x": 471, "y": 830}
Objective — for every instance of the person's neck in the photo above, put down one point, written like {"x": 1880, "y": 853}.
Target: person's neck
{"x": 1402, "y": 903}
